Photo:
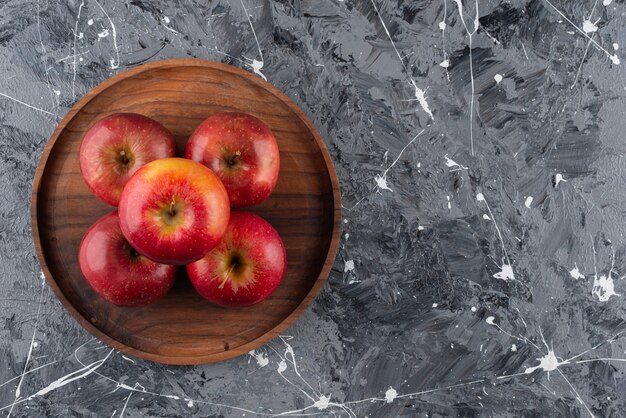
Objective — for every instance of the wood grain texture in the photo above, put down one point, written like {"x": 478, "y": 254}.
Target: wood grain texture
{"x": 183, "y": 328}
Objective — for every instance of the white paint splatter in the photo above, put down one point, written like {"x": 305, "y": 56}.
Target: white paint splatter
{"x": 139, "y": 388}
{"x": 80, "y": 8}
{"x": 506, "y": 270}
{"x": 29, "y": 371}
{"x": 604, "y": 288}
{"x": 486, "y": 217}
{"x": 353, "y": 280}
{"x": 473, "y": 309}
{"x": 435, "y": 305}
{"x": 420, "y": 228}
{"x": 381, "y": 180}
{"x": 575, "y": 273}
{"x": 470, "y": 36}
{"x": 42, "y": 277}
{"x": 493, "y": 38}
{"x": 381, "y": 183}
{"x": 256, "y": 65}
{"x": 528, "y": 202}
{"x": 490, "y": 319}
{"x": 190, "y": 403}
{"x": 44, "y": 58}
{"x": 589, "y": 26}
{"x": 614, "y": 58}
{"x": 442, "y": 27}
{"x": 75, "y": 375}
{"x": 282, "y": 366}
{"x": 420, "y": 95}
{"x": 90, "y": 22}
{"x": 615, "y": 46}
{"x": 453, "y": 164}
{"x": 103, "y": 34}
{"x": 525, "y": 53}
{"x": 166, "y": 20}
{"x": 260, "y": 358}
{"x": 606, "y": 2}
{"x": 126, "y": 403}
{"x": 449, "y": 204}
{"x": 445, "y": 63}
{"x": 547, "y": 363}
{"x": 550, "y": 362}
{"x": 349, "y": 266}
{"x": 558, "y": 179}
{"x": 390, "y": 395}
{"x": 513, "y": 347}
{"x": 505, "y": 273}
{"x": 291, "y": 357}
{"x": 322, "y": 403}
{"x": 128, "y": 359}
{"x": 115, "y": 63}
{"x": 498, "y": 78}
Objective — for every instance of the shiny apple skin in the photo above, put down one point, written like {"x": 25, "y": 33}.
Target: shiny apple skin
{"x": 260, "y": 266}
{"x": 115, "y": 147}
{"x": 174, "y": 211}
{"x": 247, "y": 143}
{"x": 117, "y": 273}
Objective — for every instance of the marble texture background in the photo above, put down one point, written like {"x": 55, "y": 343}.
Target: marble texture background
{"x": 480, "y": 148}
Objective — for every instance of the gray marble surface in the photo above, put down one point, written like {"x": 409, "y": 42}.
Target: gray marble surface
{"x": 480, "y": 148}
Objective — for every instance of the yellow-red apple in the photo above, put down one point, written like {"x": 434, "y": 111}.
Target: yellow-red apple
{"x": 174, "y": 210}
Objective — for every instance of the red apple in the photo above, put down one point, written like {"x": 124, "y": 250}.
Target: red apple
{"x": 242, "y": 151}
{"x": 174, "y": 210}
{"x": 116, "y": 147}
{"x": 246, "y": 266}
{"x": 116, "y": 271}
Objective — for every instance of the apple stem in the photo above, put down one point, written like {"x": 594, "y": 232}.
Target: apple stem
{"x": 125, "y": 159}
{"x": 233, "y": 159}
{"x": 228, "y": 273}
{"x": 172, "y": 211}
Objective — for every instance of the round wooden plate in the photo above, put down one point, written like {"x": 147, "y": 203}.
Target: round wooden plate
{"x": 183, "y": 328}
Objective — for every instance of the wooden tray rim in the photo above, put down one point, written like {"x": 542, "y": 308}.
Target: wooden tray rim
{"x": 200, "y": 359}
